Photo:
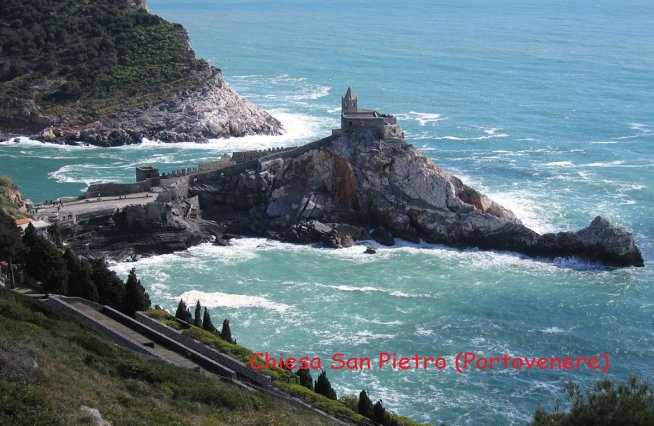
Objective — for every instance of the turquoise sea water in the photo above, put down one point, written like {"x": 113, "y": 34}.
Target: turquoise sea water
{"x": 546, "y": 106}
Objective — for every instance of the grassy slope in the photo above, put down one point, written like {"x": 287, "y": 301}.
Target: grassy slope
{"x": 282, "y": 379}
{"x": 50, "y": 365}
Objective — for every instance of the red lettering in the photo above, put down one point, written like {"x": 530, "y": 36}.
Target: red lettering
{"x": 253, "y": 359}
{"x": 338, "y": 358}
{"x": 405, "y": 363}
{"x": 384, "y": 357}
{"x": 517, "y": 365}
{"x": 468, "y": 358}
{"x": 569, "y": 363}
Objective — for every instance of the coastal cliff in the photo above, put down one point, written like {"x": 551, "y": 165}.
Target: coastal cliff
{"x": 337, "y": 191}
{"x": 110, "y": 73}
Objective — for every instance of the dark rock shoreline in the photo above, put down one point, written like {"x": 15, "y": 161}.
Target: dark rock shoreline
{"x": 337, "y": 191}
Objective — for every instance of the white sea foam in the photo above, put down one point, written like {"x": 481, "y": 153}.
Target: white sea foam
{"x": 553, "y": 330}
{"x": 420, "y": 331}
{"x": 559, "y": 164}
{"x": 227, "y": 300}
{"x": 422, "y": 118}
{"x": 490, "y": 133}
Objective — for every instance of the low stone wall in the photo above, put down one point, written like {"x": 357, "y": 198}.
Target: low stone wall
{"x": 240, "y": 368}
{"x": 61, "y": 306}
{"x": 172, "y": 344}
{"x": 112, "y": 189}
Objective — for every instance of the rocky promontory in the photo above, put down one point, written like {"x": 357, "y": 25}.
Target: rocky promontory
{"x": 337, "y": 191}
{"x": 110, "y": 73}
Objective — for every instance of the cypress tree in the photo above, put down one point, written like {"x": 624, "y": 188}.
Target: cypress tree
{"x": 183, "y": 312}
{"x": 136, "y": 299}
{"x": 323, "y": 387}
{"x": 380, "y": 415}
{"x": 365, "y": 405}
{"x": 304, "y": 376}
{"x": 226, "y": 332}
{"x": 207, "y": 324}
{"x": 197, "y": 321}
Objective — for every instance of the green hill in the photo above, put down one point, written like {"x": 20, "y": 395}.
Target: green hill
{"x": 51, "y": 365}
{"x": 58, "y": 52}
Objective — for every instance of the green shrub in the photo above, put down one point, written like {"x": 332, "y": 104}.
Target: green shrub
{"x": 607, "y": 403}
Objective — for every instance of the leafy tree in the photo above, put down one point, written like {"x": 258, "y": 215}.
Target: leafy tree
{"x": 207, "y": 324}
{"x": 323, "y": 387}
{"x": 111, "y": 289}
{"x": 226, "y": 333}
{"x": 304, "y": 376}
{"x": 365, "y": 405}
{"x": 45, "y": 262}
{"x": 197, "y": 321}
{"x": 607, "y": 403}
{"x": 11, "y": 243}
{"x": 183, "y": 312}
{"x": 136, "y": 299}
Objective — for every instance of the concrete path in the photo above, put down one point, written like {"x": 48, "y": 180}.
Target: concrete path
{"x": 78, "y": 207}
{"x": 173, "y": 357}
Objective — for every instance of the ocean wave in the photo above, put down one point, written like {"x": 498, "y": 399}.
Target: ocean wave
{"x": 490, "y": 133}
{"x": 359, "y": 338}
{"x": 552, "y": 330}
{"x": 422, "y": 118}
{"x": 559, "y": 164}
{"x": 227, "y": 300}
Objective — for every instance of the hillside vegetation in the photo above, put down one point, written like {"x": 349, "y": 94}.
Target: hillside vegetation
{"x": 51, "y": 365}
{"x": 59, "y": 52}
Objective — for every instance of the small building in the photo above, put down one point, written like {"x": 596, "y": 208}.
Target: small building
{"x": 146, "y": 173}
{"x": 355, "y": 119}
{"x": 41, "y": 226}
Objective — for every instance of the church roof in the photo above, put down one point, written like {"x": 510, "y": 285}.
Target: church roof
{"x": 349, "y": 94}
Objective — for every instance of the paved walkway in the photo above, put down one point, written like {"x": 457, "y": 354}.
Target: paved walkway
{"x": 94, "y": 204}
{"x": 173, "y": 357}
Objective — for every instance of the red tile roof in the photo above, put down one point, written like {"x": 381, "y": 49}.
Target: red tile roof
{"x": 23, "y": 221}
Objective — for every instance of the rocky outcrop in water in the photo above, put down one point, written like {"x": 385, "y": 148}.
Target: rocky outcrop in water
{"x": 344, "y": 189}
{"x": 337, "y": 190}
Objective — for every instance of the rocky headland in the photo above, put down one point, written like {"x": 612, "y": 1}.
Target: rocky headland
{"x": 110, "y": 73}
{"x": 336, "y": 191}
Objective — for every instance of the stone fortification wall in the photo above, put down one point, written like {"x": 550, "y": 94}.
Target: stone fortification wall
{"x": 112, "y": 189}
{"x": 240, "y": 157}
{"x": 185, "y": 171}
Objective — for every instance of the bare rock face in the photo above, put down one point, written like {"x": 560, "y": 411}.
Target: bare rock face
{"x": 344, "y": 189}
{"x": 214, "y": 110}
{"x": 389, "y": 187}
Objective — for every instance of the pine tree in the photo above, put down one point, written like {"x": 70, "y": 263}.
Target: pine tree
{"x": 226, "y": 332}
{"x": 365, "y": 405}
{"x": 45, "y": 262}
{"x": 183, "y": 312}
{"x": 80, "y": 283}
{"x": 304, "y": 376}
{"x": 136, "y": 299}
{"x": 323, "y": 387}
{"x": 111, "y": 289}
{"x": 55, "y": 235}
{"x": 207, "y": 324}
{"x": 11, "y": 244}
{"x": 197, "y": 321}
